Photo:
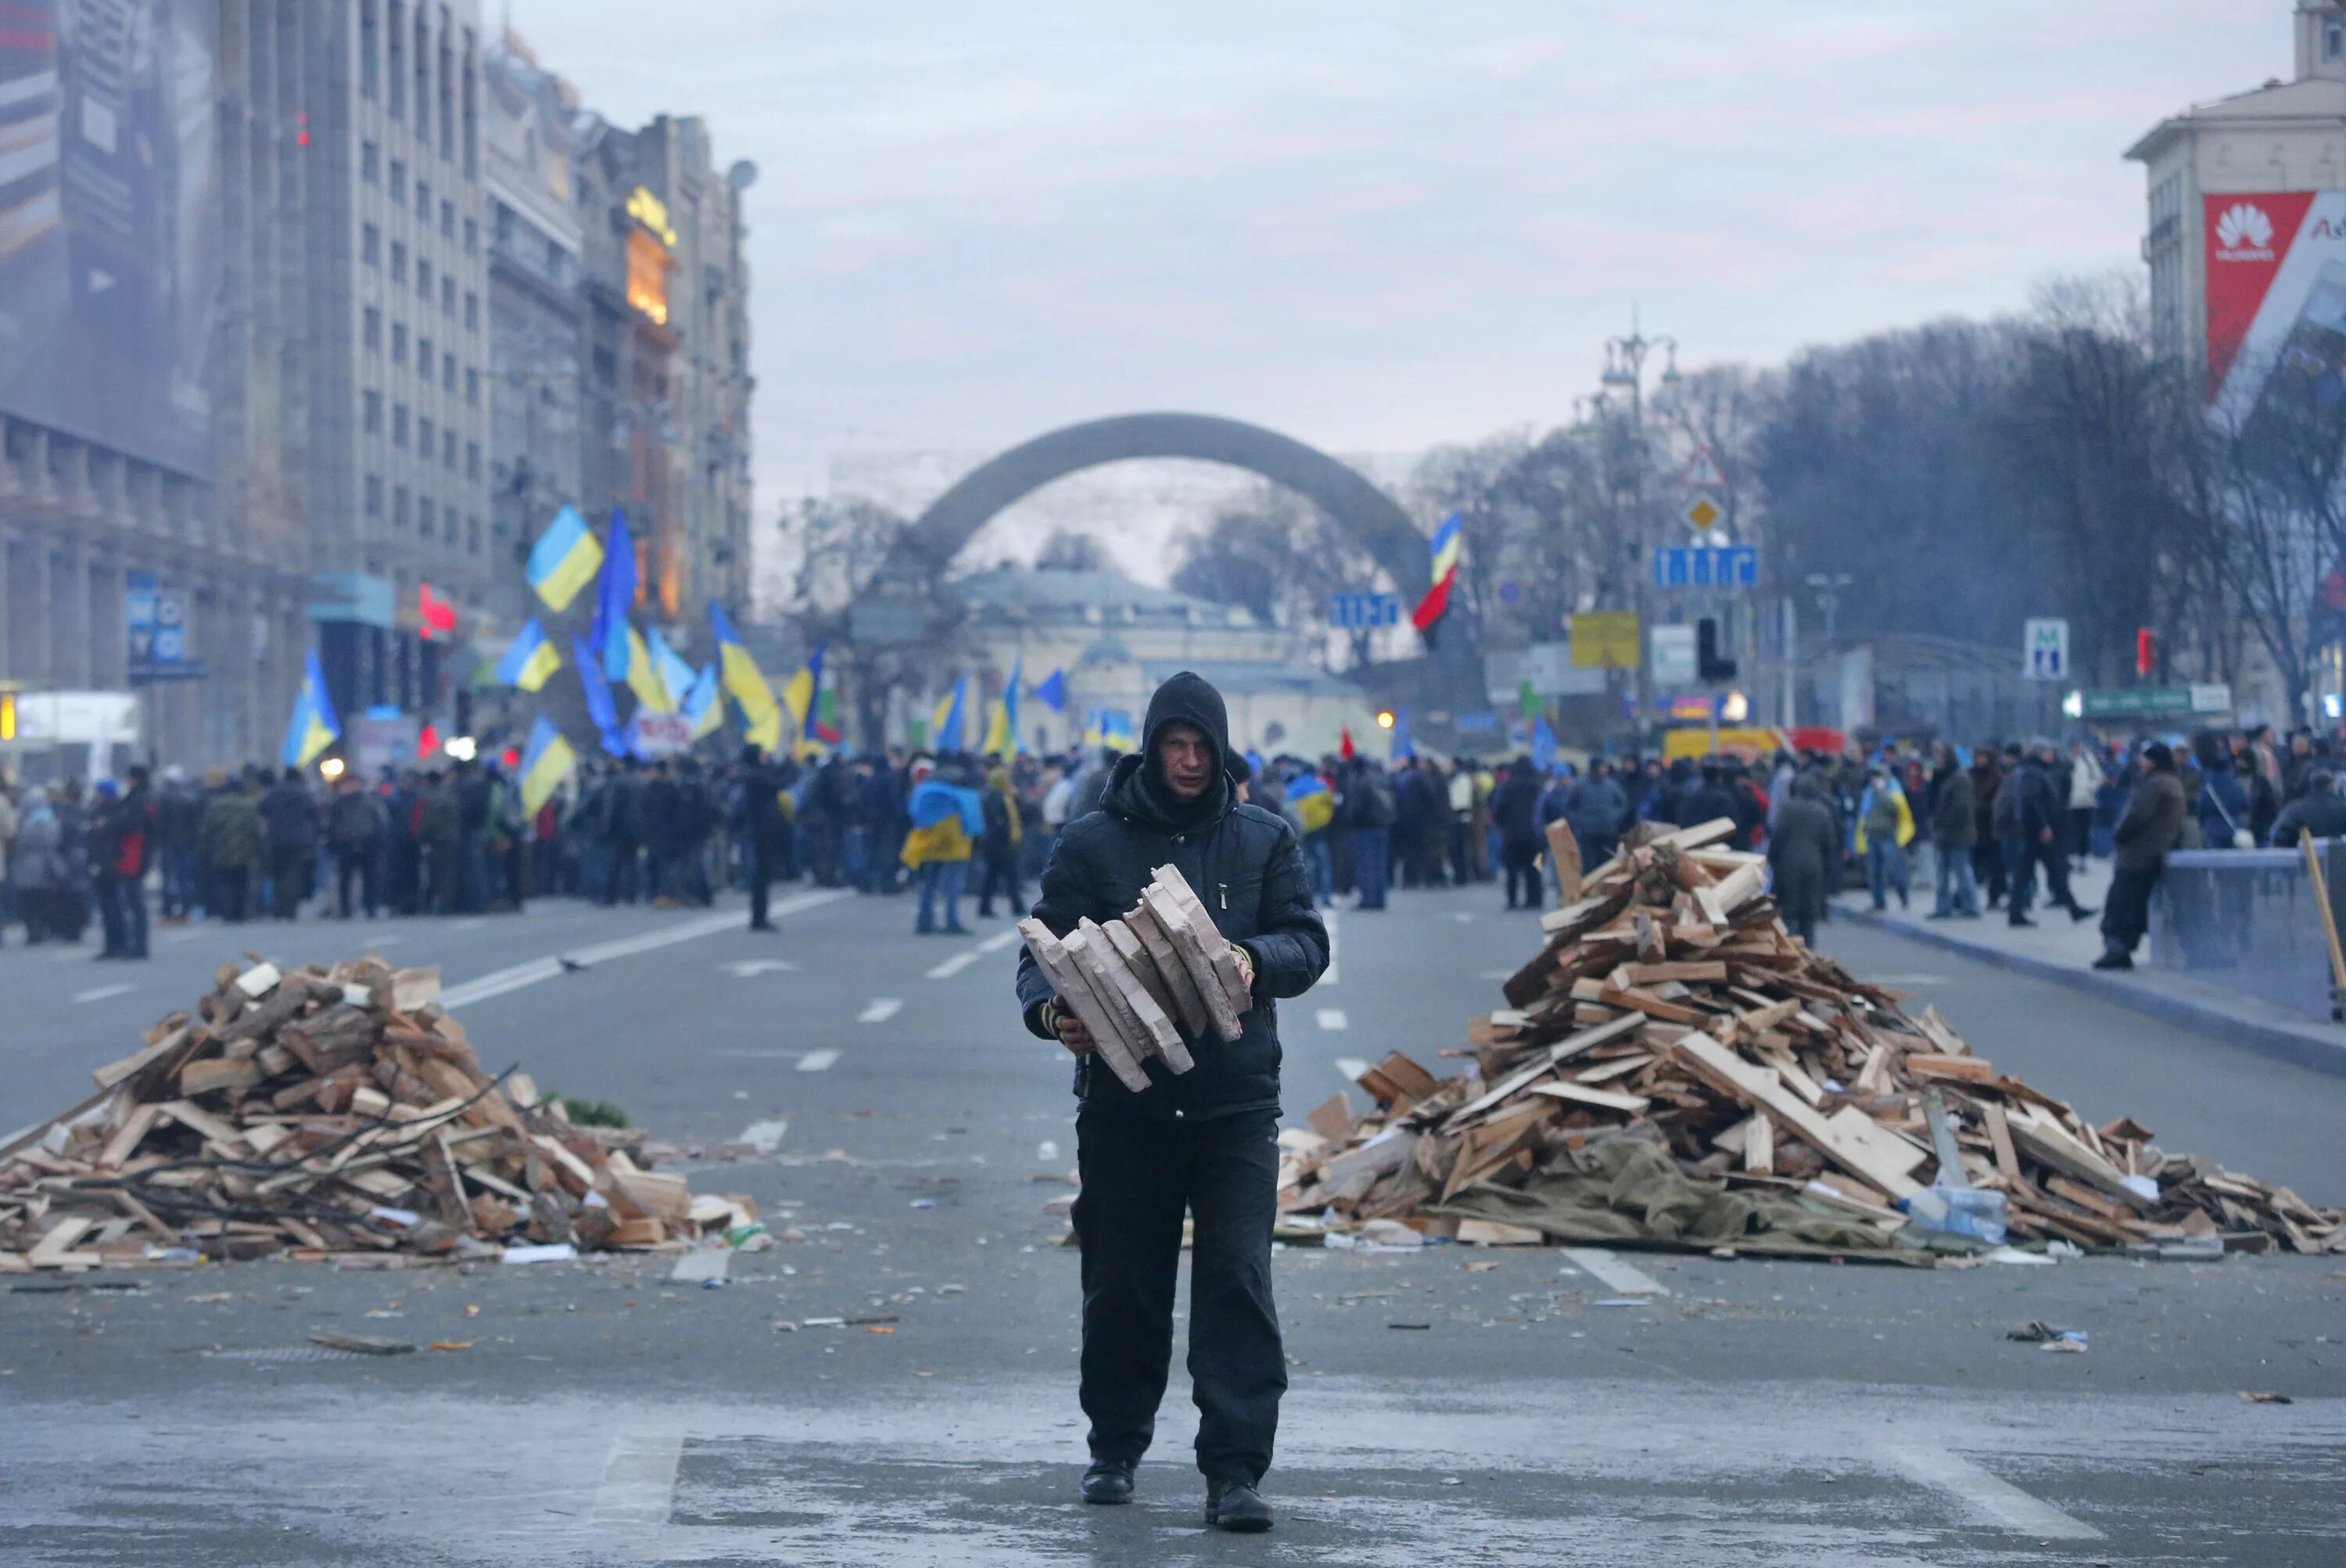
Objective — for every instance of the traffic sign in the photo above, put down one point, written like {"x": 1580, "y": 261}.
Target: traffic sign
{"x": 1702, "y": 472}
{"x": 2146, "y": 701}
{"x": 2044, "y": 649}
{"x": 1673, "y": 655}
{"x": 1706, "y": 566}
{"x": 1701, "y": 513}
{"x": 1362, "y": 612}
{"x": 1605, "y": 639}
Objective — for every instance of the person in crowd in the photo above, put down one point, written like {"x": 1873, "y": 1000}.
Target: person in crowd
{"x": 1597, "y": 811}
{"x": 2081, "y": 788}
{"x": 232, "y": 843}
{"x": 1200, "y": 1143}
{"x": 1802, "y": 847}
{"x": 2035, "y": 844}
{"x": 37, "y": 866}
{"x": 1987, "y": 849}
{"x": 948, "y": 818}
{"x": 2145, "y": 835}
{"x": 2222, "y": 806}
{"x": 762, "y": 827}
{"x": 356, "y": 824}
{"x": 2320, "y": 810}
{"x": 1459, "y": 788}
{"x": 620, "y": 825}
{"x": 178, "y": 811}
{"x": 9, "y": 818}
{"x": 125, "y": 852}
{"x": 1955, "y": 830}
{"x": 290, "y": 819}
{"x": 1367, "y": 815}
{"x": 1886, "y": 825}
{"x": 1515, "y": 807}
{"x": 999, "y": 846}
{"x": 1706, "y": 799}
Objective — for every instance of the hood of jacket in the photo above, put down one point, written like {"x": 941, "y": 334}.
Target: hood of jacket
{"x": 1136, "y": 790}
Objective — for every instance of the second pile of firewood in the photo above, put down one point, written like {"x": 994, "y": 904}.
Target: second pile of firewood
{"x": 324, "y": 1112}
{"x": 1139, "y": 983}
{"x": 1669, "y": 1005}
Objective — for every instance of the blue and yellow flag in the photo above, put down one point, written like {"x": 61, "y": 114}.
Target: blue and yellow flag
{"x": 545, "y": 764}
{"x": 704, "y": 704}
{"x": 600, "y": 708}
{"x": 675, "y": 674}
{"x": 564, "y": 560}
{"x": 531, "y": 661}
{"x": 615, "y": 600}
{"x": 1002, "y": 730}
{"x": 948, "y": 720}
{"x": 313, "y": 726}
{"x": 637, "y": 671}
{"x": 745, "y": 682}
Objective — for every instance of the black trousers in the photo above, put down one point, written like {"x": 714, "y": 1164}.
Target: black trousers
{"x": 2125, "y": 911}
{"x": 355, "y": 866}
{"x": 1987, "y": 865}
{"x": 761, "y": 877}
{"x": 1138, "y": 1178}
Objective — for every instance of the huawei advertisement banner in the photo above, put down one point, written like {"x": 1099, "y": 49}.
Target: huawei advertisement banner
{"x": 110, "y": 264}
{"x": 2276, "y": 298}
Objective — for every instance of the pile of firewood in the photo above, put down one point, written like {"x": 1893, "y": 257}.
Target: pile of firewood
{"x": 1669, "y": 1005}
{"x": 326, "y": 1111}
{"x": 1137, "y": 983}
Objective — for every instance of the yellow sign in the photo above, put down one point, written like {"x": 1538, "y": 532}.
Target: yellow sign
{"x": 1744, "y": 743}
{"x": 1605, "y": 639}
{"x": 1701, "y": 513}
{"x": 7, "y": 716}
{"x": 651, "y": 212}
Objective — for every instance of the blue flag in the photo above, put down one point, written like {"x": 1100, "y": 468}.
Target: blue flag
{"x": 615, "y": 600}
{"x": 599, "y": 706}
{"x": 1053, "y": 693}
{"x": 1543, "y": 745}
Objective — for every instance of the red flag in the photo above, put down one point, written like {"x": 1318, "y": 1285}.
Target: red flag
{"x": 1432, "y": 608}
{"x": 1344, "y": 749}
{"x": 436, "y": 614}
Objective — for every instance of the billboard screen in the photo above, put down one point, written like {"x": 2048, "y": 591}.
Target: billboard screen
{"x": 108, "y": 231}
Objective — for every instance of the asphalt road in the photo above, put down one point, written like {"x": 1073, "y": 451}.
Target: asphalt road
{"x": 875, "y": 1091}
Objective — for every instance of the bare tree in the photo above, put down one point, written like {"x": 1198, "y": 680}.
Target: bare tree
{"x": 1068, "y": 551}
{"x": 1278, "y": 556}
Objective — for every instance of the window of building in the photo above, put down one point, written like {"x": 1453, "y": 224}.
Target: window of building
{"x": 395, "y": 64}
{"x": 423, "y": 358}
{"x": 370, "y": 47}
{"x": 423, "y": 79}
{"x": 424, "y": 278}
{"x": 473, "y": 535}
{"x": 371, "y": 245}
{"x": 472, "y": 311}
{"x": 472, "y": 112}
{"x": 398, "y": 506}
{"x": 374, "y": 494}
{"x": 370, "y": 332}
{"x": 399, "y": 342}
{"x": 424, "y": 507}
{"x": 447, "y": 295}
{"x": 472, "y": 388}
{"x": 398, "y": 181}
{"x": 448, "y": 524}
{"x": 448, "y": 372}
{"x": 424, "y": 199}
{"x": 399, "y": 261}
{"x": 370, "y": 163}
{"x": 399, "y": 425}
{"x": 472, "y": 235}
{"x": 427, "y": 440}
{"x": 2333, "y": 37}
{"x": 471, "y": 460}
{"x": 371, "y": 413}
{"x": 447, "y": 218}
{"x": 448, "y": 450}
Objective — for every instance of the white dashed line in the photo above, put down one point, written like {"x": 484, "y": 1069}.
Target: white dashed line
{"x": 882, "y": 1009}
{"x": 1992, "y": 1501}
{"x": 100, "y": 993}
{"x": 957, "y": 963}
{"x": 744, "y": 969}
{"x": 816, "y": 1061}
{"x": 639, "y": 1476}
{"x": 1334, "y": 1018}
{"x": 497, "y": 982}
{"x": 1621, "y": 1278}
{"x": 999, "y": 940}
{"x": 764, "y": 1136}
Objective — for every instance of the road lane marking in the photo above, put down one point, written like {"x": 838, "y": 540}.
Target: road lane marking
{"x": 744, "y": 969}
{"x": 882, "y": 1009}
{"x": 1334, "y": 1018}
{"x": 1990, "y": 1500}
{"x": 497, "y": 983}
{"x": 1331, "y": 973}
{"x": 1621, "y": 1278}
{"x": 957, "y": 963}
{"x": 639, "y": 1476}
{"x": 816, "y": 1061}
{"x": 100, "y": 993}
{"x": 765, "y": 1136}
{"x": 995, "y": 943}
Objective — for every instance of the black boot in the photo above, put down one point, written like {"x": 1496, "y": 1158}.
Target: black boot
{"x": 1108, "y": 1480}
{"x": 1236, "y": 1505}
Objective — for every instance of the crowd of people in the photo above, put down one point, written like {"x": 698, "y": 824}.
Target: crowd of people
{"x": 1991, "y": 823}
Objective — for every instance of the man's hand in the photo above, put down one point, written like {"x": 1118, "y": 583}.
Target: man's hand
{"x": 1246, "y": 963}
{"x": 1073, "y": 1034}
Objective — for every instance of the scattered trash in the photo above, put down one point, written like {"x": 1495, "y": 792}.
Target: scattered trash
{"x": 1413, "y": 1326}
{"x": 784, "y": 1325}
{"x": 1481, "y": 1264}
{"x": 2045, "y": 1335}
{"x": 1623, "y": 1301}
{"x": 360, "y": 1344}
{"x": 925, "y": 1203}
{"x": 452, "y": 1344}
{"x": 878, "y": 1329}
{"x": 2259, "y": 1397}
{"x": 1047, "y": 1150}
{"x": 541, "y": 1252}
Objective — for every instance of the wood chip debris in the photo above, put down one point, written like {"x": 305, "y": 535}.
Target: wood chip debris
{"x": 1670, "y": 1003}
{"x": 1151, "y": 984}
{"x": 328, "y": 1113}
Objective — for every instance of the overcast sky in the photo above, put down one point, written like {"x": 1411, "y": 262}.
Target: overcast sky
{"x": 1377, "y": 225}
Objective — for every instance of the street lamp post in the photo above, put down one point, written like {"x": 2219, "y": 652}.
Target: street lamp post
{"x": 1625, "y": 373}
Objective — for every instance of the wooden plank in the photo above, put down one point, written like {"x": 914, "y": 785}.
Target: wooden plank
{"x": 1760, "y": 1088}
{"x": 1760, "y": 1146}
{"x": 1880, "y": 1142}
{"x": 1157, "y": 1034}
{"x": 1090, "y": 952}
{"x": 1964, "y": 1069}
{"x": 1189, "y": 948}
{"x": 1074, "y": 988}
{"x": 1190, "y": 1007}
{"x": 1700, "y": 834}
{"x": 1143, "y": 969}
{"x": 1587, "y": 1040}
{"x": 55, "y": 1247}
{"x": 1580, "y": 1094}
{"x": 1210, "y": 939}
{"x": 1563, "y": 859}
{"x": 1332, "y": 1118}
{"x": 114, "y": 1073}
{"x": 2048, "y": 1145}
{"x": 216, "y": 1073}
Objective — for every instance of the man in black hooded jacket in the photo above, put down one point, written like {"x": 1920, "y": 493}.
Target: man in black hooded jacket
{"x": 1201, "y": 1142}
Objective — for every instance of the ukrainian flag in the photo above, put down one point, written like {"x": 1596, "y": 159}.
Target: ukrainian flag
{"x": 531, "y": 660}
{"x": 745, "y": 682}
{"x": 313, "y": 726}
{"x": 564, "y": 560}
{"x": 599, "y": 706}
{"x": 675, "y": 674}
{"x": 702, "y": 704}
{"x": 651, "y": 692}
{"x": 545, "y": 764}
{"x": 801, "y": 692}
{"x": 947, "y": 722}
{"x": 1002, "y": 733}
{"x": 1314, "y": 802}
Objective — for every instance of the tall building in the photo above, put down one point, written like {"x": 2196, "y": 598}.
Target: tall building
{"x": 398, "y": 343}
{"x": 2246, "y": 235}
{"x": 153, "y": 395}
{"x": 533, "y": 133}
{"x": 668, "y": 383}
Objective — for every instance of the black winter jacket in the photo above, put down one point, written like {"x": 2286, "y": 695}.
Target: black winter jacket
{"x": 1246, "y": 866}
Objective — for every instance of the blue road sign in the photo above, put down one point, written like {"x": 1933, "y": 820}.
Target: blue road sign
{"x": 1361, "y": 612}
{"x": 1707, "y": 567}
